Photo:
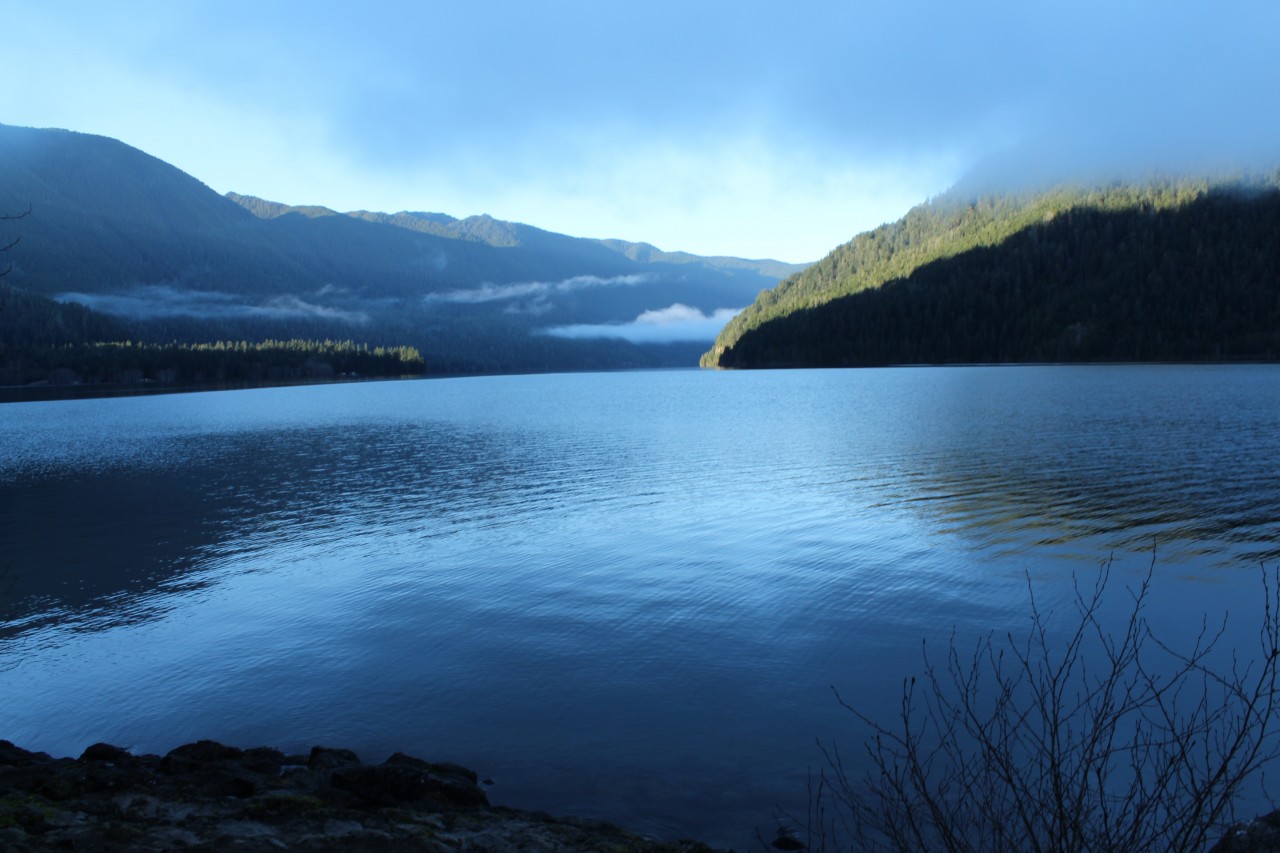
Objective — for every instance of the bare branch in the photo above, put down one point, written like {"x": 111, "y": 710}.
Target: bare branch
{"x": 15, "y": 241}
{"x": 1105, "y": 739}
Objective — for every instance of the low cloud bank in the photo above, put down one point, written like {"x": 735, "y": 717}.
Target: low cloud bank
{"x": 531, "y": 289}
{"x": 153, "y": 302}
{"x": 674, "y": 324}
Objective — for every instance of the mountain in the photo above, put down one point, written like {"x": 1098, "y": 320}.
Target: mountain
{"x": 165, "y": 258}
{"x": 1170, "y": 269}
{"x": 32, "y": 320}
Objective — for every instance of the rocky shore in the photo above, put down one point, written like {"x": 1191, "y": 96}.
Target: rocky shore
{"x": 207, "y": 796}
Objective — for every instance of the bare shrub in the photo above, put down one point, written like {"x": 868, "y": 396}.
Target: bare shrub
{"x": 1105, "y": 739}
{"x": 7, "y": 246}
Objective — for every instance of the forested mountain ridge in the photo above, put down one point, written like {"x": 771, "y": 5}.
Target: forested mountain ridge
{"x": 1165, "y": 269}
{"x": 32, "y": 320}
{"x": 501, "y": 233}
{"x": 167, "y": 259}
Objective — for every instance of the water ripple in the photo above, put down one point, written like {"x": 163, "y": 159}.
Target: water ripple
{"x": 591, "y": 585}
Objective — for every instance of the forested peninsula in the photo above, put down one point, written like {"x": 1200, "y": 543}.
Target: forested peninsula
{"x": 1184, "y": 269}
{"x": 131, "y": 363}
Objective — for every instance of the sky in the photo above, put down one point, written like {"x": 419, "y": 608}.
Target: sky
{"x": 753, "y": 129}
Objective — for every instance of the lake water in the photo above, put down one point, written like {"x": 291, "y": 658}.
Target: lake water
{"x": 619, "y": 595}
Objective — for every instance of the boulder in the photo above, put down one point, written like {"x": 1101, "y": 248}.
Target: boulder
{"x": 403, "y": 779}
{"x": 105, "y": 752}
{"x": 325, "y": 758}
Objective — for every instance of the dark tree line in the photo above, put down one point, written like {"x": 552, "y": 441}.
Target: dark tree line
{"x": 1195, "y": 279}
{"x": 224, "y": 361}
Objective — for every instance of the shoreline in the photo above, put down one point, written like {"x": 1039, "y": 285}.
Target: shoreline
{"x": 208, "y": 796}
{"x": 44, "y": 392}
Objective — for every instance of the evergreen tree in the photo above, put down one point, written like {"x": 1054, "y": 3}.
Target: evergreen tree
{"x": 1182, "y": 269}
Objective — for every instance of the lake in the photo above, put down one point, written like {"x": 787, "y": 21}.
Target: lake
{"x": 620, "y": 595}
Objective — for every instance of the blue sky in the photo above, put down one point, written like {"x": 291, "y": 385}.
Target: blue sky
{"x": 743, "y": 128}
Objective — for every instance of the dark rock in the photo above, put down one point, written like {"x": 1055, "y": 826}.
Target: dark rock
{"x": 449, "y": 783}
{"x": 30, "y": 819}
{"x": 459, "y": 791}
{"x": 238, "y": 785}
{"x": 441, "y": 768}
{"x": 194, "y": 757}
{"x": 381, "y": 785}
{"x": 403, "y": 760}
{"x": 209, "y": 796}
{"x": 106, "y": 752}
{"x": 16, "y": 756}
{"x": 57, "y": 787}
{"x": 223, "y": 770}
{"x": 263, "y": 760}
{"x": 13, "y": 838}
{"x": 324, "y": 758}
{"x": 405, "y": 779}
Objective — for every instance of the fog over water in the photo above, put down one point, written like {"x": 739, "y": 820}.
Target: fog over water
{"x": 151, "y": 302}
{"x": 678, "y": 322}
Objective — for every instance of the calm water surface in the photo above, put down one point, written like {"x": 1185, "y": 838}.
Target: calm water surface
{"x": 618, "y": 595}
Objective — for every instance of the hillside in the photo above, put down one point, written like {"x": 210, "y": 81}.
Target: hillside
{"x": 31, "y": 320}
{"x": 160, "y": 257}
{"x": 1167, "y": 269}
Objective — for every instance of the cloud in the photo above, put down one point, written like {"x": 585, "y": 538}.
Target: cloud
{"x": 532, "y": 308}
{"x": 767, "y": 129}
{"x": 531, "y": 289}
{"x": 676, "y": 323}
{"x": 153, "y": 302}
{"x": 291, "y": 307}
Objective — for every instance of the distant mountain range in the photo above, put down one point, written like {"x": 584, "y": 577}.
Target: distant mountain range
{"x": 117, "y": 245}
{"x": 1161, "y": 269}
{"x": 155, "y": 255}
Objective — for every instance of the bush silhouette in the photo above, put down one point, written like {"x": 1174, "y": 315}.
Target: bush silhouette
{"x": 1109, "y": 739}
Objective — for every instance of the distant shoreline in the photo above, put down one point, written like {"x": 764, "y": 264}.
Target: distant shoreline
{"x": 41, "y": 392}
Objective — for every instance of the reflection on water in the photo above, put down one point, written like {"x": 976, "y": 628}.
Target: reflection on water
{"x": 623, "y": 595}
